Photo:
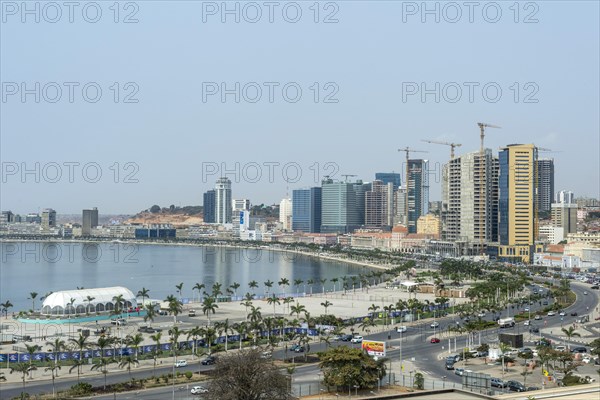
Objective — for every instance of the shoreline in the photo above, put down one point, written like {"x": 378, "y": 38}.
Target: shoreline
{"x": 153, "y": 243}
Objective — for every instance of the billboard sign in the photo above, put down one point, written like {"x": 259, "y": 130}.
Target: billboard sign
{"x": 374, "y": 348}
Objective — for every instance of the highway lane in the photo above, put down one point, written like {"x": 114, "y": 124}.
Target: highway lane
{"x": 415, "y": 344}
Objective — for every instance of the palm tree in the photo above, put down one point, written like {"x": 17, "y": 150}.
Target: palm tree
{"x": 101, "y": 364}
{"x": 210, "y": 334}
{"x": 89, "y": 299}
{"x": 80, "y": 344}
{"x": 216, "y": 289}
{"x": 23, "y": 369}
{"x": 128, "y": 362}
{"x": 298, "y": 309}
{"x": 199, "y": 286}
{"x": 104, "y": 342}
{"x": 366, "y": 324}
{"x": 326, "y": 304}
{"x": 143, "y": 293}
{"x": 175, "y": 307}
{"x": 119, "y": 301}
{"x": 334, "y": 281}
{"x": 156, "y": 338}
{"x": 235, "y": 286}
{"x": 57, "y": 346}
{"x": 5, "y": 306}
{"x": 284, "y": 282}
{"x": 52, "y": 369}
{"x": 174, "y": 333}
{"x": 194, "y": 333}
{"x": 135, "y": 342}
{"x": 32, "y": 297}
{"x": 242, "y": 329}
{"x": 373, "y": 308}
{"x": 273, "y": 299}
{"x": 570, "y": 333}
{"x": 224, "y": 327}
{"x": 287, "y": 301}
{"x": 31, "y": 350}
{"x": 297, "y": 283}
{"x": 253, "y": 285}
{"x": 310, "y": 282}
{"x": 209, "y": 305}
{"x": 77, "y": 364}
{"x": 179, "y": 288}
{"x": 323, "y": 284}
{"x": 268, "y": 285}
{"x": 150, "y": 313}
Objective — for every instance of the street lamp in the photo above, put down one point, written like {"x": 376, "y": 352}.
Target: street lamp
{"x": 444, "y": 382}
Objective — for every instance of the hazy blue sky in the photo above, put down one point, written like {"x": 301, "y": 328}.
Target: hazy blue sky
{"x": 368, "y": 58}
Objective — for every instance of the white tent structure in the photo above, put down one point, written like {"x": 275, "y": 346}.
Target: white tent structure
{"x": 69, "y": 302}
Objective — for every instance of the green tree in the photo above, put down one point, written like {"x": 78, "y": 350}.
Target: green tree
{"x": 209, "y": 305}
{"x": 5, "y": 306}
{"x": 32, "y": 297}
{"x": 570, "y": 333}
{"x": 179, "y": 288}
{"x": 268, "y": 285}
{"x": 252, "y": 285}
{"x": 101, "y": 364}
{"x": 127, "y": 362}
{"x": 235, "y": 286}
{"x": 156, "y": 339}
{"x": 274, "y": 300}
{"x": 175, "y": 307}
{"x": 80, "y": 344}
{"x": 344, "y": 367}
{"x": 298, "y": 309}
{"x": 135, "y": 341}
{"x": 283, "y": 282}
{"x": 199, "y": 287}
{"x": 56, "y": 346}
{"x": 150, "y": 313}
{"x": 89, "y": 299}
{"x": 326, "y": 304}
{"x": 53, "y": 368}
{"x": 24, "y": 369}
{"x": 144, "y": 294}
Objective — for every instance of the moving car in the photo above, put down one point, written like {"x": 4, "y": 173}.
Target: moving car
{"x": 538, "y": 317}
{"x": 579, "y": 349}
{"x": 481, "y": 314}
{"x": 401, "y": 329}
{"x": 562, "y": 313}
{"x": 585, "y": 293}
{"x": 356, "y": 339}
{"x": 118, "y": 322}
{"x": 210, "y": 360}
{"x": 551, "y": 313}
{"x": 198, "y": 390}
{"x": 191, "y": 313}
{"x": 573, "y": 314}
{"x": 266, "y": 354}
{"x": 515, "y": 386}
{"x": 534, "y": 329}
{"x": 346, "y": 338}
{"x": 435, "y": 340}
{"x": 180, "y": 363}
{"x": 450, "y": 363}
{"x": 300, "y": 349}
{"x": 434, "y": 324}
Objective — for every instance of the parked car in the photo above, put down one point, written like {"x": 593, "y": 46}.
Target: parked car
{"x": 198, "y": 390}
{"x": 515, "y": 386}
{"x": 534, "y": 329}
{"x": 401, "y": 329}
{"x": 210, "y": 360}
{"x": 595, "y": 287}
{"x": 459, "y": 371}
{"x": 191, "y": 313}
{"x": 435, "y": 340}
{"x": 266, "y": 354}
{"x": 118, "y": 322}
{"x": 163, "y": 312}
{"x": 560, "y": 348}
{"x": 356, "y": 339}
{"x": 180, "y": 363}
{"x": 579, "y": 349}
{"x": 346, "y": 338}
{"x": 497, "y": 382}
{"x": 532, "y": 388}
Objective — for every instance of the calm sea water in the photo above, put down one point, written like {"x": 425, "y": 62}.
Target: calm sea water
{"x": 42, "y": 267}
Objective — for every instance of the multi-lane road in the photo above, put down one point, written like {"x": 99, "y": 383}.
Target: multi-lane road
{"x": 414, "y": 344}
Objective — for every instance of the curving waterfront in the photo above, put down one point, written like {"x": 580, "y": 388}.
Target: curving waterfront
{"x": 50, "y": 266}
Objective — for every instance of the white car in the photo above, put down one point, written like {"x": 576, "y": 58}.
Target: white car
{"x": 551, "y": 313}
{"x": 481, "y": 314}
{"x": 198, "y": 390}
{"x": 356, "y": 339}
{"x": 537, "y": 317}
{"x": 585, "y": 293}
{"x": 586, "y": 359}
{"x": 401, "y": 329}
{"x": 434, "y": 324}
{"x": 180, "y": 363}
{"x": 562, "y": 313}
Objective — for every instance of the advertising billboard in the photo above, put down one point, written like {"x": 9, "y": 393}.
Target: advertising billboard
{"x": 374, "y": 348}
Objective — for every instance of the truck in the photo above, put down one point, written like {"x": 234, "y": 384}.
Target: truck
{"x": 506, "y": 322}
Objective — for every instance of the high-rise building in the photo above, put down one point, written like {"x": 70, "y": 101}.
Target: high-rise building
{"x": 209, "y": 207}
{"x": 470, "y": 199}
{"x": 400, "y": 208}
{"x": 565, "y": 196}
{"x": 379, "y": 204}
{"x": 516, "y": 204}
{"x": 89, "y": 221}
{"x": 545, "y": 184}
{"x": 389, "y": 177}
{"x": 418, "y": 192}
{"x": 285, "y": 213}
{"x": 342, "y": 211}
{"x": 7, "y": 217}
{"x": 48, "y": 219}
{"x": 33, "y": 218}
{"x": 240, "y": 204}
{"x": 564, "y": 215}
{"x": 306, "y": 210}
{"x": 223, "y": 201}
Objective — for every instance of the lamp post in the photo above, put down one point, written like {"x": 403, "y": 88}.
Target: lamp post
{"x": 444, "y": 382}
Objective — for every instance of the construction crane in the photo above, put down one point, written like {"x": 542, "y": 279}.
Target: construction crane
{"x": 452, "y": 145}
{"x": 482, "y": 126}
{"x": 346, "y": 176}
{"x": 407, "y": 150}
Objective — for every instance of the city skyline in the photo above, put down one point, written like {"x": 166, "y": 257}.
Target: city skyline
{"x": 383, "y": 83}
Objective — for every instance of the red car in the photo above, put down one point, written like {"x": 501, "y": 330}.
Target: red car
{"x": 435, "y": 340}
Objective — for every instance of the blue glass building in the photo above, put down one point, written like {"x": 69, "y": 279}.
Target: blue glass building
{"x": 209, "y": 207}
{"x": 387, "y": 177}
{"x": 306, "y": 210}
